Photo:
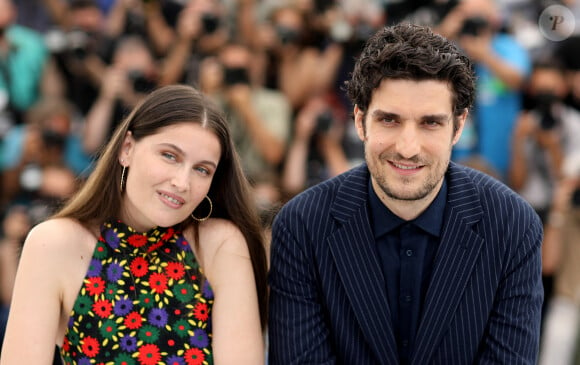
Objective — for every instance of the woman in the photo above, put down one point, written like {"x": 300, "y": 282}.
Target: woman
{"x": 133, "y": 270}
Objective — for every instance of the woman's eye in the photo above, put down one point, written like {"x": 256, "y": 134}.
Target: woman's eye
{"x": 169, "y": 156}
{"x": 203, "y": 170}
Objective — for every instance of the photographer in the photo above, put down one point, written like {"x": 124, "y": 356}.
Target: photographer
{"x": 259, "y": 119}
{"x": 501, "y": 65}
{"x": 41, "y": 158}
{"x": 543, "y": 136}
{"x": 200, "y": 30}
{"x": 80, "y": 51}
{"x": 561, "y": 255}
{"x": 23, "y": 57}
{"x": 132, "y": 73}
{"x": 303, "y": 61}
{"x": 315, "y": 152}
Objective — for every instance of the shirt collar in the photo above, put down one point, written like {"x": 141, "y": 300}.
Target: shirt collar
{"x": 429, "y": 221}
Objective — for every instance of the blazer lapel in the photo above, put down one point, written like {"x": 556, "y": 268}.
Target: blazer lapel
{"x": 353, "y": 249}
{"x": 456, "y": 257}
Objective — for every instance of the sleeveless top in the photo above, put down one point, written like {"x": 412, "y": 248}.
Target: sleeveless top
{"x": 144, "y": 301}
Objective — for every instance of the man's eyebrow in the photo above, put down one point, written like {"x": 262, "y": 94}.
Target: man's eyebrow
{"x": 381, "y": 114}
{"x": 436, "y": 117}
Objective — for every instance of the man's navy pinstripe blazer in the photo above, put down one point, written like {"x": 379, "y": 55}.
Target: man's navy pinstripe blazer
{"x": 328, "y": 302}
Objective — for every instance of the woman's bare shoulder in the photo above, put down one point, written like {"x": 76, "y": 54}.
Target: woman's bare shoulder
{"x": 60, "y": 233}
{"x": 218, "y": 234}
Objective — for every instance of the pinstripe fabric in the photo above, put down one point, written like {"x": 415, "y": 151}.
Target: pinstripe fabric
{"x": 328, "y": 304}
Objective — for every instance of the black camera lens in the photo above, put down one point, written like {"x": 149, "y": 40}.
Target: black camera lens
{"x": 576, "y": 198}
{"x": 141, "y": 83}
{"x": 287, "y": 35}
{"x": 236, "y": 75}
{"x": 324, "y": 121}
{"x": 474, "y": 26}
{"x": 53, "y": 139}
{"x": 545, "y": 101}
{"x": 210, "y": 22}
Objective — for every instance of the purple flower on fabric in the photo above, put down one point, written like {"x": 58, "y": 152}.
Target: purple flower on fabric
{"x": 112, "y": 238}
{"x": 175, "y": 360}
{"x": 199, "y": 338}
{"x": 183, "y": 244}
{"x": 207, "y": 291}
{"x": 84, "y": 361}
{"x": 158, "y": 317}
{"x": 94, "y": 268}
{"x": 128, "y": 343}
{"x": 114, "y": 272}
{"x": 123, "y": 307}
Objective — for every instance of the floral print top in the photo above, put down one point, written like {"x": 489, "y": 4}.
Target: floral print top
{"x": 144, "y": 301}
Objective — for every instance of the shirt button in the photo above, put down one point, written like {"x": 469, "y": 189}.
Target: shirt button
{"x": 407, "y": 298}
{"x": 409, "y": 253}
{"x": 405, "y": 343}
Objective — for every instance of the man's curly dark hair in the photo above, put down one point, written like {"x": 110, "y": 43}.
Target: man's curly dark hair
{"x": 411, "y": 52}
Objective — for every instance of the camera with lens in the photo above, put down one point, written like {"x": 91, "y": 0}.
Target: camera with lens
{"x": 236, "y": 75}
{"x": 140, "y": 82}
{"x": 324, "y": 121}
{"x": 545, "y": 101}
{"x": 474, "y": 26}
{"x": 287, "y": 35}
{"x": 210, "y": 22}
{"x": 53, "y": 139}
{"x": 75, "y": 42}
{"x": 576, "y": 198}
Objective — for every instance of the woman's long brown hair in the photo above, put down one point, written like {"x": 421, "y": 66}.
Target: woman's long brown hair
{"x": 100, "y": 196}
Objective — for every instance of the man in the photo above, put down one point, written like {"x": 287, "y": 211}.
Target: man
{"x": 408, "y": 258}
{"x": 502, "y": 66}
{"x": 23, "y": 57}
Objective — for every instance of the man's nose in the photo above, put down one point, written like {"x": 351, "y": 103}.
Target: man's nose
{"x": 408, "y": 141}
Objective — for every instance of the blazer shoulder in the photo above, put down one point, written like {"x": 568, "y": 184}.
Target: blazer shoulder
{"x": 495, "y": 197}
{"x": 323, "y": 194}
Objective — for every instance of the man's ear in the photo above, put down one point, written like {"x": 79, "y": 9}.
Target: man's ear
{"x": 359, "y": 122}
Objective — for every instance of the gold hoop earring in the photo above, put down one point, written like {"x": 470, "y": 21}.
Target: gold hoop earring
{"x": 208, "y": 214}
{"x": 122, "y": 185}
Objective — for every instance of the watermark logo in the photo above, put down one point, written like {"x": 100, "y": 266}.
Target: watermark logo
{"x": 557, "y": 22}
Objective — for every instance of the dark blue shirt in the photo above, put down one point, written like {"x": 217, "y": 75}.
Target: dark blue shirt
{"x": 407, "y": 250}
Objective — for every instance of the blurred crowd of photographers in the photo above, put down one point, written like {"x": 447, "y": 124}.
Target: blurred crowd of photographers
{"x": 70, "y": 70}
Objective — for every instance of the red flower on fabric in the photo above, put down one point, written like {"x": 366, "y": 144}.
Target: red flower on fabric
{"x": 200, "y": 311}
{"x": 90, "y": 346}
{"x": 66, "y": 345}
{"x": 149, "y": 354}
{"x": 137, "y": 240}
{"x": 95, "y": 285}
{"x": 102, "y": 308}
{"x": 167, "y": 235}
{"x": 155, "y": 246}
{"x": 158, "y": 282}
{"x": 175, "y": 270}
{"x": 139, "y": 267}
{"x": 194, "y": 357}
{"x": 133, "y": 321}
